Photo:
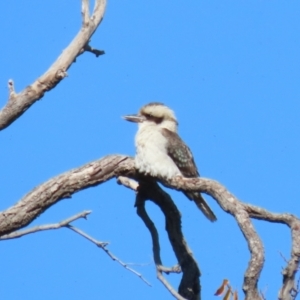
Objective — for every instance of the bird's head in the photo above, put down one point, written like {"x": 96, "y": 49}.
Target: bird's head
{"x": 155, "y": 114}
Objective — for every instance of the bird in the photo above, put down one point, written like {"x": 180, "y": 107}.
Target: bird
{"x": 161, "y": 153}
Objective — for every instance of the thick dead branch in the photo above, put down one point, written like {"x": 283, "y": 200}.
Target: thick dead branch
{"x": 94, "y": 173}
{"x": 189, "y": 287}
{"x": 242, "y": 212}
{"x": 61, "y": 187}
{"x": 17, "y": 104}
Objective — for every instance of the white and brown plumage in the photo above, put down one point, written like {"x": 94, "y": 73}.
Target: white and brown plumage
{"x": 161, "y": 153}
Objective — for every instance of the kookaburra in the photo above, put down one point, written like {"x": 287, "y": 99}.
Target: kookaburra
{"x": 161, "y": 153}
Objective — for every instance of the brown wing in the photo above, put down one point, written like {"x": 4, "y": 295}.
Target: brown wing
{"x": 183, "y": 158}
{"x": 181, "y": 154}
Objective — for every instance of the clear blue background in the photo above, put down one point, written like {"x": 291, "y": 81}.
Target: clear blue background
{"x": 229, "y": 69}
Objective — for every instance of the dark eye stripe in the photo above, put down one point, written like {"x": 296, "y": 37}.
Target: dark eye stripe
{"x": 154, "y": 119}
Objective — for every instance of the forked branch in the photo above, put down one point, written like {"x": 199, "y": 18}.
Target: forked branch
{"x": 62, "y": 187}
{"x": 189, "y": 287}
{"x": 97, "y": 172}
{"x": 64, "y": 223}
{"x": 18, "y": 103}
{"x": 243, "y": 213}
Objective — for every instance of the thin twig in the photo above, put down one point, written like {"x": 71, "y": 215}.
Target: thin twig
{"x": 138, "y": 264}
{"x": 297, "y": 288}
{"x": 175, "y": 269}
{"x": 64, "y": 223}
{"x": 168, "y": 286}
{"x": 88, "y": 48}
{"x": 262, "y": 294}
{"x": 103, "y": 245}
{"x": 11, "y": 89}
{"x": 282, "y": 256}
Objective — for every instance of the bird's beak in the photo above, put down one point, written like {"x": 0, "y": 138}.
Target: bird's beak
{"x": 134, "y": 118}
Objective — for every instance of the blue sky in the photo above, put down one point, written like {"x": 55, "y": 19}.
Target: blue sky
{"x": 229, "y": 69}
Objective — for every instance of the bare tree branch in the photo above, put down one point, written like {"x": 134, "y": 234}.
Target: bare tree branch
{"x": 66, "y": 223}
{"x": 88, "y": 237}
{"x": 17, "y": 104}
{"x": 103, "y": 245}
{"x": 122, "y": 167}
{"x": 189, "y": 287}
{"x": 61, "y": 224}
{"x": 127, "y": 182}
{"x": 11, "y": 88}
{"x": 85, "y": 13}
{"x": 297, "y": 289}
{"x": 242, "y": 212}
{"x": 141, "y": 211}
{"x": 140, "y": 203}
{"x": 61, "y": 187}
{"x": 88, "y": 48}
{"x": 94, "y": 173}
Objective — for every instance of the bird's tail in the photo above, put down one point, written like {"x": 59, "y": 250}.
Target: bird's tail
{"x": 202, "y": 205}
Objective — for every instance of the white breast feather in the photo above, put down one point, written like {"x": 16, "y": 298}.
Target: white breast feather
{"x": 151, "y": 157}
